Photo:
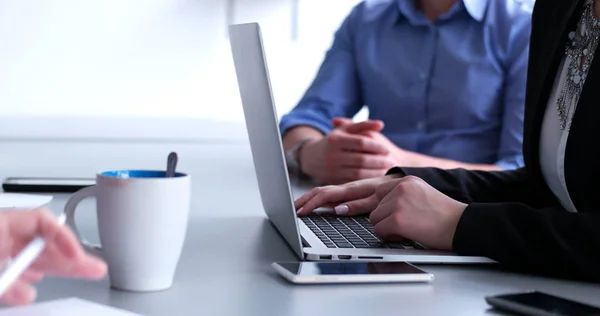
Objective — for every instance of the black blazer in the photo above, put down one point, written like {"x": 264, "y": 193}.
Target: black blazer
{"x": 512, "y": 216}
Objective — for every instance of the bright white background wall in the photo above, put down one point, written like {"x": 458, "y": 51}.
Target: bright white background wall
{"x": 147, "y": 68}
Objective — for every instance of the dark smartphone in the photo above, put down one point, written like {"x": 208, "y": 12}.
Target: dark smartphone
{"x": 536, "y": 303}
{"x": 48, "y": 185}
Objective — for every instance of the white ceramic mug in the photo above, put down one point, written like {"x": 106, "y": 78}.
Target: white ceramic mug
{"x": 142, "y": 223}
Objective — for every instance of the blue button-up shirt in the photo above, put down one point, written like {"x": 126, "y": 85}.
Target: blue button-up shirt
{"x": 453, "y": 88}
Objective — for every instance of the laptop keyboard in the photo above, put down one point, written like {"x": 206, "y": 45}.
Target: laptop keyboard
{"x": 350, "y": 232}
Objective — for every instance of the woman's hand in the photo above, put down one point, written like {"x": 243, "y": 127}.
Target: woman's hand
{"x": 400, "y": 207}
{"x": 349, "y": 199}
{"x": 62, "y": 255}
{"x": 409, "y": 208}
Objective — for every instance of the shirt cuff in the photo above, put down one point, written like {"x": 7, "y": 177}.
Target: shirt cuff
{"x": 510, "y": 164}
{"x": 289, "y": 121}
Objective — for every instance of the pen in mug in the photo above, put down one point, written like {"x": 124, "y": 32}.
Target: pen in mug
{"x": 22, "y": 261}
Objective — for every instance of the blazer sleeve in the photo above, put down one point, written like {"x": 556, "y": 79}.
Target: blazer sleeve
{"x": 472, "y": 186}
{"x": 549, "y": 241}
{"x": 513, "y": 221}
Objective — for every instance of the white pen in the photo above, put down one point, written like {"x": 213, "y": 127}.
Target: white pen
{"x": 20, "y": 263}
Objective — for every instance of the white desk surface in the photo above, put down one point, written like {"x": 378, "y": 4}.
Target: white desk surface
{"x": 225, "y": 265}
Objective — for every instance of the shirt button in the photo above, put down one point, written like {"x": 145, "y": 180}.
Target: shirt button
{"x": 423, "y": 76}
{"x": 421, "y": 125}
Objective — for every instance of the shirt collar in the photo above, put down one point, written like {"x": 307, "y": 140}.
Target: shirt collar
{"x": 475, "y": 8}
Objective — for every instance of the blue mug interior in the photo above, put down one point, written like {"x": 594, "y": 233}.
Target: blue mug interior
{"x": 138, "y": 174}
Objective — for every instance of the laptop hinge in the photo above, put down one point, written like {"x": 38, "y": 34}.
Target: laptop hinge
{"x": 304, "y": 242}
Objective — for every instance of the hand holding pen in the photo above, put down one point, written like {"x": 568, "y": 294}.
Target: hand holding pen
{"x": 39, "y": 244}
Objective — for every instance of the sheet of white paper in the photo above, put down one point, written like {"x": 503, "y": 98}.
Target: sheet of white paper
{"x": 66, "y": 307}
{"x": 21, "y": 201}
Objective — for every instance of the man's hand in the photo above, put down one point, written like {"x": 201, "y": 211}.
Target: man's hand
{"x": 400, "y": 157}
{"x": 407, "y": 158}
{"x": 409, "y": 208}
{"x": 346, "y": 155}
{"x": 62, "y": 255}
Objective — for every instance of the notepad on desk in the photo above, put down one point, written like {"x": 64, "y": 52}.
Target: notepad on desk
{"x": 11, "y": 201}
{"x": 65, "y": 307}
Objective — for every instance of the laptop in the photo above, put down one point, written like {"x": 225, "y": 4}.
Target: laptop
{"x": 313, "y": 237}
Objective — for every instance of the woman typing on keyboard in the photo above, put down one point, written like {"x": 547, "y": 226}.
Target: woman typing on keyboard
{"x": 543, "y": 218}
